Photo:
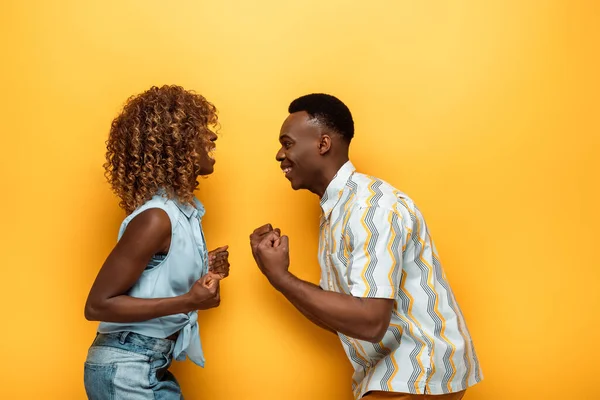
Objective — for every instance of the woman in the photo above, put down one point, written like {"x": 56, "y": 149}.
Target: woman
{"x": 159, "y": 274}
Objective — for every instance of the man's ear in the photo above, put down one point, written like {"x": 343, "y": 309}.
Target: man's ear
{"x": 324, "y": 144}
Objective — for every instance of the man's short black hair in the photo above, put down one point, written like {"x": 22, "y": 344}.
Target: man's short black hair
{"x": 328, "y": 110}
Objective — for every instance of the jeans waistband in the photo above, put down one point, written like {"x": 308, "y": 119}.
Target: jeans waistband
{"x": 126, "y": 340}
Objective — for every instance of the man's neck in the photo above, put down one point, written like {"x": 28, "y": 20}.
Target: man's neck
{"x": 327, "y": 176}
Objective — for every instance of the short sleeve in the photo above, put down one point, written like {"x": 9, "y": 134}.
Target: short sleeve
{"x": 375, "y": 262}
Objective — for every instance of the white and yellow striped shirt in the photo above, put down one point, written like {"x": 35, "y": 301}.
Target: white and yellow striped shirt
{"x": 374, "y": 243}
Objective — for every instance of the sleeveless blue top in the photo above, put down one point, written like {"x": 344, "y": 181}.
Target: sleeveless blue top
{"x": 171, "y": 275}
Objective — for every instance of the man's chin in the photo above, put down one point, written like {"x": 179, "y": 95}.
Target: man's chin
{"x": 296, "y": 185}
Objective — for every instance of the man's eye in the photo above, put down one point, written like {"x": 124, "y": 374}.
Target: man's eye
{"x": 287, "y": 145}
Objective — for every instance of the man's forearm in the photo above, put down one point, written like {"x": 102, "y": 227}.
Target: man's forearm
{"x": 312, "y": 318}
{"x": 334, "y": 311}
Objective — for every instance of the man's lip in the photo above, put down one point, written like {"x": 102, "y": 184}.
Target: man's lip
{"x": 289, "y": 170}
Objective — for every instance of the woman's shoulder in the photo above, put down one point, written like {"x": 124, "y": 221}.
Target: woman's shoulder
{"x": 157, "y": 212}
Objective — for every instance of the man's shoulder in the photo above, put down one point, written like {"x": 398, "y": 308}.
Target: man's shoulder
{"x": 371, "y": 191}
{"x": 374, "y": 192}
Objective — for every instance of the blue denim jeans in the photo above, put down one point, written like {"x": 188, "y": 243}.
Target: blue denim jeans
{"x": 130, "y": 366}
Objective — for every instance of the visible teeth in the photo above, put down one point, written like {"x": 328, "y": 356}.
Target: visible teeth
{"x": 286, "y": 170}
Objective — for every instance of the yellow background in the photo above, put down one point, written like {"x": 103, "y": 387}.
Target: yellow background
{"x": 486, "y": 113}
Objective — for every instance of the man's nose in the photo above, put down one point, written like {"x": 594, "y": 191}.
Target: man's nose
{"x": 280, "y": 156}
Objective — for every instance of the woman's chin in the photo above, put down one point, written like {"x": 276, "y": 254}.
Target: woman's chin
{"x": 208, "y": 169}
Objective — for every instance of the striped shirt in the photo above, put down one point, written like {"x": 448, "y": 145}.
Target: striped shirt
{"x": 374, "y": 243}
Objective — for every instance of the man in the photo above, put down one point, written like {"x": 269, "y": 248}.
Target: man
{"x": 382, "y": 287}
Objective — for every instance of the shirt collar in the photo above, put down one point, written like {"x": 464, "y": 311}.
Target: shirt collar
{"x": 336, "y": 187}
{"x": 188, "y": 209}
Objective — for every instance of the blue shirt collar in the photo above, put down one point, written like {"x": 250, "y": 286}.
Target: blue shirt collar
{"x": 188, "y": 209}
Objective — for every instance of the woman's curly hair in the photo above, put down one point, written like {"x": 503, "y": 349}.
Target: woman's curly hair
{"x": 153, "y": 145}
